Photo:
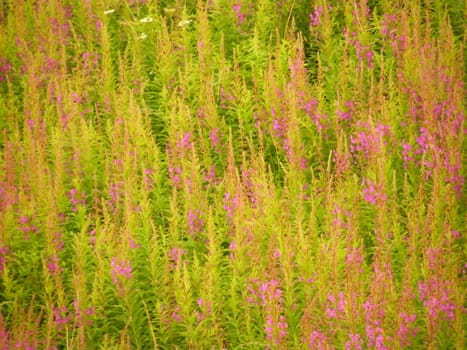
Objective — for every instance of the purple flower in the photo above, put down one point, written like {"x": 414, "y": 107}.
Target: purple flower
{"x": 318, "y": 341}
{"x": 231, "y": 203}
{"x": 4, "y": 252}
{"x": 214, "y": 137}
{"x": 195, "y": 221}
{"x": 175, "y": 255}
{"x": 120, "y": 270}
{"x": 53, "y": 265}
{"x": 372, "y": 193}
{"x": 241, "y": 17}
{"x": 315, "y": 17}
{"x": 185, "y": 142}
{"x": 61, "y": 317}
{"x": 355, "y": 342}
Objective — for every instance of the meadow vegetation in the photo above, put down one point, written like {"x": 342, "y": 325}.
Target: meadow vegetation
{"x": 232, "y": 174}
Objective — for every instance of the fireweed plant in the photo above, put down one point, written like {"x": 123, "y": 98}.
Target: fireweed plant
{"x": 232, "y": 174}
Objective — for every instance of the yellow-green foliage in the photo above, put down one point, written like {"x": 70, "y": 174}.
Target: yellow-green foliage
{"x": 232, "y": 174}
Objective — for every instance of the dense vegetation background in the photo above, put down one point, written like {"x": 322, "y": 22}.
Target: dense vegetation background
{"x": 232, "y": 174}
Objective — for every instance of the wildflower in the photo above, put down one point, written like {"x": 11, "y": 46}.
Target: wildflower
{"x": 280, "y": 128}
{"x": 424, "y": 140}
{"x": 231, "y": 203}
{"x": 270, "y": 297}
{"x": 184, "y": 22}
{"x": 133, "y": 244}
{"x": 5, "y": 67}
{"x": 355, "y": 258}
{"x": 386, "y": 22}
{"x": 185, "y": 143}
{"x": 116, "y": 192}
{"x": 53, "y": 265}
{"x": 265, "y": 293}
{"x": 363, "y": 53}
{"x": 342, "y": 162}
{"x": 214, "y": 137}
{"x": 61, "y": 317}
{"x": 195, "y": 222}
{"x": 108, "y": 12}
{"x": 146, "y": 20}
{"x": 374, "y": 314}
{"x": 98, "y": 25}
{"x": 92, "y": 238}
{"x": 318, "y": 340}
{"x": 369, "y": 59}
{"x": 349, "y": 110}
{"x": 142, "y": 36}
{"x": 120, "y": 270}
{"x": 407, "y": 153}
{"x": 268, "y": 328}
{"x": 237, "y": 8}
{"x": 226, "y": 98}
{"x": 210, "y": 175}
{"x": 205, "y": 307}
{"x": 306, "y": 280}
{"x": 81, "y": 318}
{"x": 27, "y": 227}
{"x": 175, "y": 176}
{"x": 355, "y": 342}
{"x": 373, "y": 193}
{"x": 310, "y": 107}
{"x": 232, "y": 248}
{"x": 276, "y": 253}
{"x": 175, "y": 255}
{"x": 76, "y": 199}
{"x": 406, "y": 331}
{"x": 4, "y": 252}
{"x": 148, "y": 179}
{"x": 175, "y": 315}
{"x": 336, "y": 307}
{"x": 315, "y": 17}
{"x": 436, "y": 296}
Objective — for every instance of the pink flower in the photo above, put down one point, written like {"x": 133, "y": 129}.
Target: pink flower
{"x": 436, "y": 296}
{"x": 355, "y": 342}
{"x": 120, "y": 270}
{"x": 372, "y": 193}
{"x": 195, "y": 221}
{"x": 53, "y": 265}
{"x": 61, "y": 317}
{"x": 406, "y": 330}
{"x": 4, "y": 252}
{"x": 315, "y": 17}
{"x": 241, "y": 17}
{"x": 318, "y": 341}
{"x": 214, "y": 137}
{"x": 175, "y": 315}
{"x": 175, "y": 255}
{"x": 185, "y": 142}
{"x": 77, "y": 199}
{"x": 231, "y": 203}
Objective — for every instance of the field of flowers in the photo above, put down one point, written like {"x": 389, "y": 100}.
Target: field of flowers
{"x": 232, "y": 174}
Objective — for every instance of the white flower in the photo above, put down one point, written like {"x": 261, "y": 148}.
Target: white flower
{"x": 146, "y": 20}
{"x": 108, "y": 12}
{"x": 185, "y": 22}
{"x": 142, "y": 36}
